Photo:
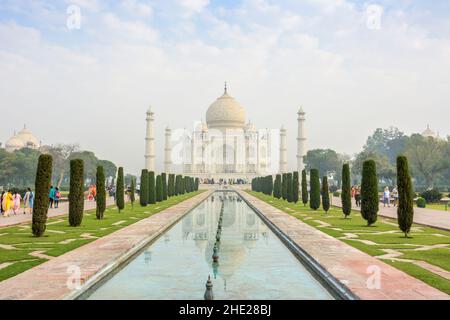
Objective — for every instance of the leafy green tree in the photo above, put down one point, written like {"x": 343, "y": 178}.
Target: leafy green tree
{"x": 143, "y": 191}
{"x": 101, "y": 193}
{"x": 109, "y": 168}
{"x": 151, "y": 188}
{"x": 369, "y": 192}
{"x": 314, "y": 193}
{"x": 429, "y": 158}
{"x": 42, "y": 186}
{"x": 164, "y": 184}
{"x": 76, "y": 193}
{"x": 120, "y": 192}
{"x": 405, "y": 209}
{"x": 325, "y": 161}
{"x": 277, "y": 187}
{"x": 304, "y": 188}
{"x": 159, "y": 189}
{"x": 387, "y": 142}
{"x": 385, "y": 169}
{"x": 325, "y": 195}
{"x": 295, "y": 187}
{"x": 346, "y": 197}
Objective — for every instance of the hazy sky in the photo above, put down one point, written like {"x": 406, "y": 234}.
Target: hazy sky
{"x": 353, "y": 65}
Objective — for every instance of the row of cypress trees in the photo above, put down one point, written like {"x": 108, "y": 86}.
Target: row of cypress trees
{"x": 160, "y": 188}
{"x": 76, "y": 193}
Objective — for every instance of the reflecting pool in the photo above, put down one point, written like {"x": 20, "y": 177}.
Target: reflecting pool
{"x": 253, "y": 262}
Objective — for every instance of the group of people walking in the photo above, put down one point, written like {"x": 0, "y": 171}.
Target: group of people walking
{"x": 356, "y": 194}
{"x": 54, "y": 196}
{"x": 388, "y": 195}
{"x": 11, "y": 201}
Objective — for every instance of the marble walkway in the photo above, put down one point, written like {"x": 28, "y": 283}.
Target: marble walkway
{"x": 58, "y": 278}
{"x": 356, "y": 269}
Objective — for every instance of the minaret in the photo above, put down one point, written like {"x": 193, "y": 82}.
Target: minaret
{"x": 283, "y": 150}
{"x": 168, "y": 151}
{"x": 150, "y": 142}
{"x": 301, "y": 140}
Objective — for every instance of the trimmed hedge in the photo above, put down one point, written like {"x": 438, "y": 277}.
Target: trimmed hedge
{"x": 120, "y": 192}
{"x": 159, "y": 189}
{"x": 151, "y": 188}
{"x": 76, "y": 193}
{"x": 41, "y": 188}
{"x": 164, "y": 185}
{"x": 325, "y": 195}
{"x": 143, "y": 191}
{"x": 405, "y": 209}
{"x": 314, "y": 193}
{"x": 295, "y": 187}
{"x": 369, "y": 192}
{"x": 346, "y": 196}
{"x": 304, "y": 188}
{"x": 101, "y": 193}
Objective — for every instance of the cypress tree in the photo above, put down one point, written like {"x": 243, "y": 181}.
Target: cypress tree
{"x": 144, "y": 192}
{"x": 369, "y": 192}
{"x": 120, "y": 201}
{"x": 41, "y": 188}
{"x": 284, "y": 186}
{"x": 159, "y": 189}
{"x": 295, "y": 186}
{"x": 151, "y": 188}
{"x": 314, "y": 192}
{"x": 101, "y": 193}
{"x": 183, "y": 184}
{"x": 76, "y": 193}
{"x": 171, "y": 185}
{"x": 164, "y": 183}
{"x": 304, "y": 188}
{"x": 346, "y": 197}
{"x": 405, "y": 209}
{"x": 133, "y": 192}
{"x": 177, "y": 185}
{"x": 197, "y": 184}
{"x": 325, "y": 195}
{"x": 277, "y": 187}
{"x": 289, "y": 187}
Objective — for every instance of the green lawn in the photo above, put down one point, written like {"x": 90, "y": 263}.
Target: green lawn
{"x": 383, "y": 235}
{"x": 437, "y": 206}
{"x": 17, "y": 244}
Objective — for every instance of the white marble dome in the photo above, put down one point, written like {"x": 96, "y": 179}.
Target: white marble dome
{"x": 428, "y": 133}
{"x": 14, "y": 143}
{"x": 28, "y": 138}
{"x": 225, "y": 112}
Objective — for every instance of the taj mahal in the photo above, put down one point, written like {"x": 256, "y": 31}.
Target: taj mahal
{"x": 226, "y": 146}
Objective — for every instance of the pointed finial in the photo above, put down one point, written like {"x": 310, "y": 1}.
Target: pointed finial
{"x": 226, "y": 89}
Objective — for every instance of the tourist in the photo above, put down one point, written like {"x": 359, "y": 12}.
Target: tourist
{"x": 28, "y": 200}
{"x": 358, "y": 196}
{"x": 6, "y": 203}
{"x": 1, "y": 201}
{"x": 17, "y": 198}
{"x": 57, "y": 197}
{"x": 395, "y": 195}
{"x": 51, "y": 196}
{"x": 387, "y": 197}
{"x": 353, "y": 192}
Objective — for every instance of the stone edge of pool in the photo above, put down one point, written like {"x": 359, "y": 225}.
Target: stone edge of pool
{"x": 95, "y": 260}
{"x": 348, "y": 265}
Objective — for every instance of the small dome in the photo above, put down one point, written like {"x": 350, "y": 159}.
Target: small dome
{"x": 28, "y": 138}
{"x": 14, "y": 143}
{"x": 428, "y": 133}
{"x": 225, "y": 112}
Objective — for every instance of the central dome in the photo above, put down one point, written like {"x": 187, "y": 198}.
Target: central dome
{"x": 225, "y": 112}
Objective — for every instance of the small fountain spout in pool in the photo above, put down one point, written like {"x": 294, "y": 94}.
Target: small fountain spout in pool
{"x": 209, "y": 293}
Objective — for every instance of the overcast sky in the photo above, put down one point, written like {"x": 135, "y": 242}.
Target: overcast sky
{"x": 353, "y": 65}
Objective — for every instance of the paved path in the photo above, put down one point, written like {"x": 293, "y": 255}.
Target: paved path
{"x": 352, "y": 267}
{"x": 428, "y": 217}
{"x": 52, "y": 279}
{"x": 63, "y": 209}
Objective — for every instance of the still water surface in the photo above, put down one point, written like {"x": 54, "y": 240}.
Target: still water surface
{"x": 253, "y": 262}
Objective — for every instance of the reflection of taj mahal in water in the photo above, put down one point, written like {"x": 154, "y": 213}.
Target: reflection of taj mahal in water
{"x": 241, "y": 231}
{"x": 226, "y": 145}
